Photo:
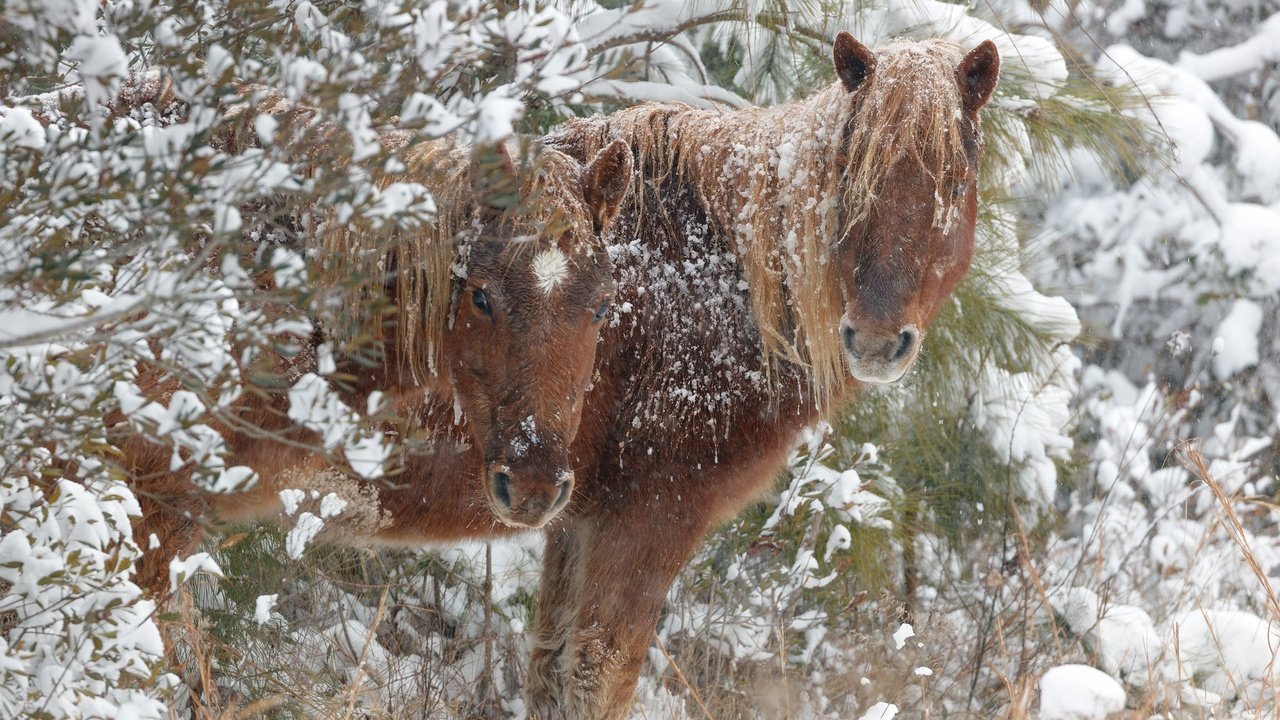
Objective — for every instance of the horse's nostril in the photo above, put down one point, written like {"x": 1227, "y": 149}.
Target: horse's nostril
{"x": 502, "y": 488}
{"x": 906, "y": 341}
{"x": 846, "y": 334}
{"x": 565, "y": 487}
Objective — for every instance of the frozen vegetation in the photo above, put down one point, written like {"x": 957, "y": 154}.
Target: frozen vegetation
{"x": 1068, "y": 511}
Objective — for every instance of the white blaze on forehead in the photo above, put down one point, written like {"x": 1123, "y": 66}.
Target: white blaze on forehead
{"x": 550, "y": 267}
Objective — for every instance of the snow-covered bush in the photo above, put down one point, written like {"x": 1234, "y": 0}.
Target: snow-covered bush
{"x": 1171, "y": 268}
{"x": 132, "y": 242}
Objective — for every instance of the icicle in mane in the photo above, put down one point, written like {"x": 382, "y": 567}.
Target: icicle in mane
{"x": 417, "y": 268}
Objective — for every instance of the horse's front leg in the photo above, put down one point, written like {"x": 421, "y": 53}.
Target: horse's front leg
{"x": 171, "y": 526}
{"x": 551, "y": 654}
{"x": 629, "y": 560}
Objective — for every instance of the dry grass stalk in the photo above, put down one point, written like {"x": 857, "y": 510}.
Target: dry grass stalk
{"x": 1189, "y": 454}
{"x": 353, "y": 690}
{"x": 693, "y": 692}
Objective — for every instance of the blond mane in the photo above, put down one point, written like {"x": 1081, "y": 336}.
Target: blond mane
{"x": 786, "y": 183}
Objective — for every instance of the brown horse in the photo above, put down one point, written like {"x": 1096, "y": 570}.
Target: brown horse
{"x": 499, "y": 306}
{"x": 768, "y": 262}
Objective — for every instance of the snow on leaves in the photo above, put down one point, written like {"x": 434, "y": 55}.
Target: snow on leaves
{"x": 314, "y": 405}
{"x": 71, "y": 651}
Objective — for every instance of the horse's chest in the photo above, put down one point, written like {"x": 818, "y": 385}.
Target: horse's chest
{"x": 684, "y": 342}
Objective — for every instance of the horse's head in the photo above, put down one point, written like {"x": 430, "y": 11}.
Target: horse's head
{"x": 526, "y": 320}
{"x": 910, "y": 201}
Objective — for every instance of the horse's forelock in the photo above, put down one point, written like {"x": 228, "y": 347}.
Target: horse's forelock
{"x": 553, "y": 208}
{"x": 909, "y": 109}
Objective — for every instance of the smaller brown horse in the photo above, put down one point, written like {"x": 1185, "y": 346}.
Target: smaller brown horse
{"x": 485, "y": 363}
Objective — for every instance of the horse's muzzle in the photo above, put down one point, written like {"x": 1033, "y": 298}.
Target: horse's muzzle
{"x": 879, "y": 356}
{"x": 527, "y": 498}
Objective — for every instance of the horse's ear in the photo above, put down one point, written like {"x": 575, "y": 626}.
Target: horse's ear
{"x": 978, "y": 74}
{"x": 854, "y": 61}
{"x": 495, "y": 181}
{"x": 606, "y": 181}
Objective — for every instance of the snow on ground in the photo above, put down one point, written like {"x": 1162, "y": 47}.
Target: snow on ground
{"x": 1079, "y": 692}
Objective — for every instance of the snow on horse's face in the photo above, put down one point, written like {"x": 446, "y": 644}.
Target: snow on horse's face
{"x": 912, "y": 238}
{"x": 525, "y": 326}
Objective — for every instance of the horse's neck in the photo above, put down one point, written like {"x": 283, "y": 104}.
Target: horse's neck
{"x": 682, "y": 270}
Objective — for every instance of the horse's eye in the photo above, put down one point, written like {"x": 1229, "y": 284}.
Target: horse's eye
{"x": 481, "y": 301}
{"x": 602, "y": 311}
{"x": 959, "y": 190}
